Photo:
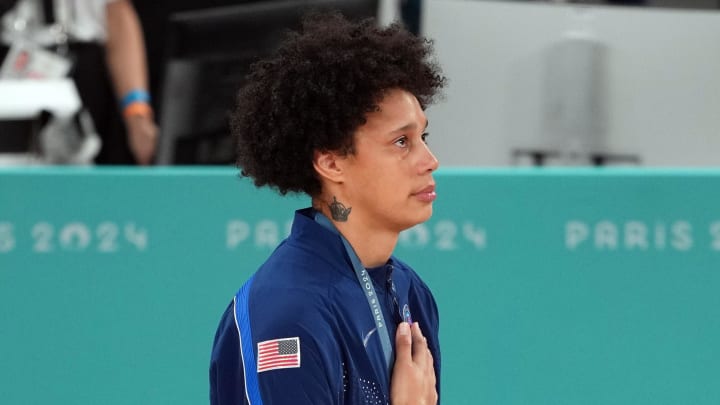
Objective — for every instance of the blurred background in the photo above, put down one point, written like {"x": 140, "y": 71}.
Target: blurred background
{"x": 559, "y": 279}
{"x": 531, "y": 82}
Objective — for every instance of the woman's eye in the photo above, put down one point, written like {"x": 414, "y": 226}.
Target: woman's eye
{"x": 402, "y": 142}
{"x": 424, "y": 137}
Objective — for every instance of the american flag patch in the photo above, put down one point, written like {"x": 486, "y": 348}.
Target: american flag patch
{"x": 278, "y": 353}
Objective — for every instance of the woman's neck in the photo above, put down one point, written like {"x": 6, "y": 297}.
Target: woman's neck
{"x": 372, "y": 242}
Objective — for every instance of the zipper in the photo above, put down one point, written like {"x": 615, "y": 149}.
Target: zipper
{"x": 391, "y": 295}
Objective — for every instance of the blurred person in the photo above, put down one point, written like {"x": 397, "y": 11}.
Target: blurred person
{"x": 104, "y": 43}
{"x": 332, "y": 317}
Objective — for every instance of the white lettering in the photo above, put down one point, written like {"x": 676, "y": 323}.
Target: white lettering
{"x": 418, "y": 236}
{"x": 288, "y": 228}
{"x": 660, "y": 236}
{"x": 478, "y": 237}
{"x": 606, "y": 235}
{"x": 446, "y": 232}
{"x": 576, "y": 232}
{"x": 75, "y": 236}
{"x": 107, "y": 233}
{"x": 715, "y": 233}
{"x": 79, "y": 237}
{"x": 267, "y": 234}
{"x": 682, "y": 235}
{"x": 630, "y": 235}
{"x": 636, "y": 235}
{"x": 236, "y": 232}
{"x": 43, "y": 232}
{"x": 137, "y": 237}
{"x": 7, "y": 238}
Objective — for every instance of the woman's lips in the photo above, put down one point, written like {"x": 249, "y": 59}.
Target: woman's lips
{"x": 427, "y": 194}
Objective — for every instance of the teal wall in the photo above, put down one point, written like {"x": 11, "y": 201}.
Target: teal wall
{"x": 554, "y": 287}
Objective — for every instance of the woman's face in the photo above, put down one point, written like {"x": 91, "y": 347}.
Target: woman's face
{"x": 388, "y": 180}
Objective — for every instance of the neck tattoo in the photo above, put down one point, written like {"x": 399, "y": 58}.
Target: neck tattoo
{"x": 338, "y": 211}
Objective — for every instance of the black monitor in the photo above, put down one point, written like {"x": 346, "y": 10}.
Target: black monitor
{"x": 208, "y": 55}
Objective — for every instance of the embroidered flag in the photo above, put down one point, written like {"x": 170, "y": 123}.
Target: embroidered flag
{"x": 278, "y": 353}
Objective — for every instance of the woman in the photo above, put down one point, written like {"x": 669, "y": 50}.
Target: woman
{"x": 332, "y": 317}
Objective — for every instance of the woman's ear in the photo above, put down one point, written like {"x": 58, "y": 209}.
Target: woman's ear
{"x": 328, "y": 165}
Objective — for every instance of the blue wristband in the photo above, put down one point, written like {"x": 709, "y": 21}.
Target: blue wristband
{"x": 135, "y": 96}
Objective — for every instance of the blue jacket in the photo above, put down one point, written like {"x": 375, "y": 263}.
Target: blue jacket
{"x": 300, "y": 330}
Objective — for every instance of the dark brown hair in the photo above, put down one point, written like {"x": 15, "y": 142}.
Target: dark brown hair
{"x": 317, "y": 90}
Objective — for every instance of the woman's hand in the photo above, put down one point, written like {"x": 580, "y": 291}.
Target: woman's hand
{"x": 413, "y": 379}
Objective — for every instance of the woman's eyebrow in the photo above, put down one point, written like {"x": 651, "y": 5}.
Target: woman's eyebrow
{"x": 410, "y": 126}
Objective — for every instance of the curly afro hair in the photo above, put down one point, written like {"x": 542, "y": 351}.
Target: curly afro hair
{"x": 316, "y": 91}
